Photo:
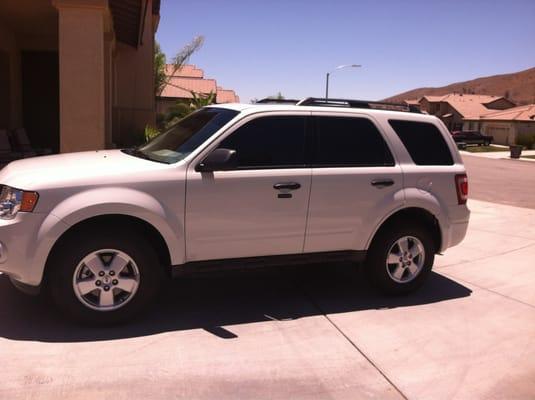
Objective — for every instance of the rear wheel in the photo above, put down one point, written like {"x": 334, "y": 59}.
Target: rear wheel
{"x": 400, "y": 259}
{"x": 104, "y": 278}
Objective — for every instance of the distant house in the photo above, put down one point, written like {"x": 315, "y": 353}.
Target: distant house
{"x": 454, "y": 108}
{"x": 506, "y": 126}
{"x": 413, "y": 103}
{"x": 189, "y": 79}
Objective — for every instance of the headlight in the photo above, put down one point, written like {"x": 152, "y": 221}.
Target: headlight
{"x": 14, "y": 200}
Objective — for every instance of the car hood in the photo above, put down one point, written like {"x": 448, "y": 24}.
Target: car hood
{"x": 73, "y": 169}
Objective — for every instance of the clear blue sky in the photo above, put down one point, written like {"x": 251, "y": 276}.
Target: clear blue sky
{"x": 259, "y": 48}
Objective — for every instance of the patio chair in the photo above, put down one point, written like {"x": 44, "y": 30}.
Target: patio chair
{"x": 22, "y": 143}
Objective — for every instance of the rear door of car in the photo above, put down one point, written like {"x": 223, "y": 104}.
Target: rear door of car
{"x": 355, "y": 181}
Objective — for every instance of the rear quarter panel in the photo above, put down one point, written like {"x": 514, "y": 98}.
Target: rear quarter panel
{"x": 431, "y": 187}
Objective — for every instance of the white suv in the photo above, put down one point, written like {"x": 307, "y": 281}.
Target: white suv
{"x": 237, "y": 183}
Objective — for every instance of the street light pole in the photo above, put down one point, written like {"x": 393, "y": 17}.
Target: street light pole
{"x": 327, "y": 86}
{"x": 329, "y": 74}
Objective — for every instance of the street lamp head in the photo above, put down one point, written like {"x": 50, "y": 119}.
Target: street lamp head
{"x": 329, "y": 73}
{"x": 349, "y": 66}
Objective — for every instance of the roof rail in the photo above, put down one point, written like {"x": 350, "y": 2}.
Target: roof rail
{"x": 269, "y": 100}
{"x": 376, "y": 105}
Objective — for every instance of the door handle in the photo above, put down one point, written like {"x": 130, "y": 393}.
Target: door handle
{"x": 287, "y": 186}
{"x": 381, "y": 183}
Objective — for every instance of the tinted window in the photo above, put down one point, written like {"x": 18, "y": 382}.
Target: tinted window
{"x": 269, "y": 142}
{"x": 424, "y": 142}
{"x": 342, "y": 141}
{"x": 185, "y": 136}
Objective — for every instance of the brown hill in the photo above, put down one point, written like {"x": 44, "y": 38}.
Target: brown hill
{"x": 518, "y": 87}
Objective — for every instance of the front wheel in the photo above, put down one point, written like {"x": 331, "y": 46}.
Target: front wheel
{"x": 400, "y": 259}
{"x": 104, "y": 278}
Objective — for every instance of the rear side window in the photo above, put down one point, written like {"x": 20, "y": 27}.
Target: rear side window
{"x": 269, "y": 142}
{"x": 423, "y": 141}
{"x": 351, "y": 142}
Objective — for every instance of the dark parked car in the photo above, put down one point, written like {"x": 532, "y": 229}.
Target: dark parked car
{"x": 471, "y": 137}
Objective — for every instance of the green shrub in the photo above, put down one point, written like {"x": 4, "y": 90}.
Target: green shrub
{"x": 150, "y": 133}
{"x": 527, "y": 140}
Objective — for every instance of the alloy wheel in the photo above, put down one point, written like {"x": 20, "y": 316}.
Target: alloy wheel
{"x": 405, "y": 259}
{"x": 106, "y": 280}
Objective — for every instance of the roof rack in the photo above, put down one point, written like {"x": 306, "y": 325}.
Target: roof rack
{"x": 376, "y": 105}
{"x": 269, "y": 100}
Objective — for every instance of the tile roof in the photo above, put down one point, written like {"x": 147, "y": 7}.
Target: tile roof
{"x": 190, "y": 78}
{"x": 226, "y": 96}
{"x": 187, "y": 70}
{"x": 453, "y": 97}
{"x": 468, "y": 105}
{"x": 180, "y": 87}
{"x": 520, "y": 113}
{"x": 433, "y": 99}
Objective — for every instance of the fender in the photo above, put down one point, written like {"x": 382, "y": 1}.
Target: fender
{"x": 417, "y": 198}
{"x": 103, "y": 201}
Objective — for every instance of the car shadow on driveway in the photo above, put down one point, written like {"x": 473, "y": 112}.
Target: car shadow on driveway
{"x": 216, "y": 301}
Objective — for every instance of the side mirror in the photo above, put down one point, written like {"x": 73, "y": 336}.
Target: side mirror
{"x": 218, "y": 160}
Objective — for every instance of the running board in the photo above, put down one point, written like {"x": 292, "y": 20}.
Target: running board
{"x": 268, "y": 261}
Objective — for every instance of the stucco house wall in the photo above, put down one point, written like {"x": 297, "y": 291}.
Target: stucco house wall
{"x": 503, "y": 132}
{"x": 526, "y": 128}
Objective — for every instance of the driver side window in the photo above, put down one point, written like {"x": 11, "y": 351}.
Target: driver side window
{"x": 269, "y": 142}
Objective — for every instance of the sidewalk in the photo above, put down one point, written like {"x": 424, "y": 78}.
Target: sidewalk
{"x": 501, "y": 155}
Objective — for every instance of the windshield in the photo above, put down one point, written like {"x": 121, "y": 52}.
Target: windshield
{"x": 185, "y": 136}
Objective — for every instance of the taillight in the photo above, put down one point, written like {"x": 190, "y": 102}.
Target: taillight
{"x": 461, "y": 183}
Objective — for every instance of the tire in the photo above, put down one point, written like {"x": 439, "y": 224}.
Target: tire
{"x": 104, "y": 277}
{"x": 487, "y": 143}
{"x": 387, "y": 277}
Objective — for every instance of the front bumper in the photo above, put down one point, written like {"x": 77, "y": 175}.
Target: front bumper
{"x": 23, "y": 247}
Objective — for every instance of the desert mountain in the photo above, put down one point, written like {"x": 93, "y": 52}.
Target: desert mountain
{"x": 518, "y": 87}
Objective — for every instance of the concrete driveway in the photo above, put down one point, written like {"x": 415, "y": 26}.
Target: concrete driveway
{"x": 301, "y": 333}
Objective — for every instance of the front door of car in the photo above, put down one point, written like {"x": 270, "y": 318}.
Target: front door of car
{"x": 355, "y": 182}
{"x": 259, "y": 207}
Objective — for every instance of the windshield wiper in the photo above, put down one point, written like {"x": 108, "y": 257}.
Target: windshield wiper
{"x": 134, "y": 151}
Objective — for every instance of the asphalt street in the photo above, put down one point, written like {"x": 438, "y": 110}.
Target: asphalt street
{"x": 501, "y": 181}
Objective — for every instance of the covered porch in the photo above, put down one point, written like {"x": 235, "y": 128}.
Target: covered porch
{"x": 77, "y": 74}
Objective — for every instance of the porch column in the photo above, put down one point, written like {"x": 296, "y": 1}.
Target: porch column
{"x": 82, "y": 73}
{"x": 109, "y": 43}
